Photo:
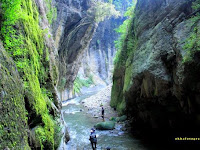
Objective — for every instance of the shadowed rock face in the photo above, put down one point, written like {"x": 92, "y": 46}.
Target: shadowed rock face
{"x": 73, "y": 31}
{"x": 151, "y": 82}
{"x": 12, "y": 107}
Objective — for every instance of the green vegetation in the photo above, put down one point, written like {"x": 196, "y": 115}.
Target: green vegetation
{"x": 102, "y": 10}
{"x": 192, "y": 43}
{"x": 124, "y": 31}
{"x": 79, "y": 83}
{"x": 61, "y": 84}
{"x": 13, "y": 118}
{"x": 107, "y": 125}
{"x": 51, "y": 11}
{"x": 23, "y": 39}
{"x": 125, "y": 46}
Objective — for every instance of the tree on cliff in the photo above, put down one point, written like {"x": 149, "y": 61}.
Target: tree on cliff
{"x": 102, "y": 10}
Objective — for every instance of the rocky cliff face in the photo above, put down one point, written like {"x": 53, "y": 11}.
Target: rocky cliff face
{"x": 29, "y": 105}
{"x": 73, "y": 31}
{"x": 98, "y": 59}
{"x": 12, "y": 107}
{"x": 153, "y": 81}
{"x": 46, "y": 40}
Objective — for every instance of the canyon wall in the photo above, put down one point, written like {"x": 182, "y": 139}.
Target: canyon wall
{"x": 97, "y": 62}
{"x": 98, "y": 58}
{"x": 42, "y": 46}
{"x": 29, "y": 104}
{"x": 156, "y": 79}
{"x": 73, "y": 31}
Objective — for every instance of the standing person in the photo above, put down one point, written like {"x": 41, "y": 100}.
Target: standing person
{"x": 102, "y": 113}
{"x": 93, "y": 139}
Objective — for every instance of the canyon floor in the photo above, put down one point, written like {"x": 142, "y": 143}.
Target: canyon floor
{"x": 93, "y": 103}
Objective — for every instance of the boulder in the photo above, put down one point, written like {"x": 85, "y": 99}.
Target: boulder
{"x": 108, "y": 125}
{"x": 112, "y": 119}
{"x": 67, "y": 137}
{"x": 122, "y": 118}
{"x": 118, "y": 119}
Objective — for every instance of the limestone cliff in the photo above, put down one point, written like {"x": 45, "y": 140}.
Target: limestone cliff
{"x": 156, "y": 80}
{"x": 73, "y": 31}
{"x": 97, "y": 61}
{"x": 98, "y": 58}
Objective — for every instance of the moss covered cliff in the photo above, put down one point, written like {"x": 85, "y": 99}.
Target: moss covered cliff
{"x": 28, "y": 97}
{"x": 13, "y": 120}
{"x": 156, "y": 76}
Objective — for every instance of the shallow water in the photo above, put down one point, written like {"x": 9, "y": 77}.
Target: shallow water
{"x": 79, "y": 124}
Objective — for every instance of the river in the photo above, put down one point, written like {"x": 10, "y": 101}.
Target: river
{"x": 79, "y": 123}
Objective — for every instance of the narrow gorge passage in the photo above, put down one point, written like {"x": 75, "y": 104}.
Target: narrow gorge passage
{"x": 79, "y": 124}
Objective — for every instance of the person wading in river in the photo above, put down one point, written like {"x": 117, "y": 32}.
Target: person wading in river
{"x": 102, "y": 113}
{"x": 93, "y": 139}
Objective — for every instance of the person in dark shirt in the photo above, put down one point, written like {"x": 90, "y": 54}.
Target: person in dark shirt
{"x": 93, "y": 139}
{"x": 102, "y": 113}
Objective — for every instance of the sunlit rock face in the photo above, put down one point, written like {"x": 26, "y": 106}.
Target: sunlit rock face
{"x": 73, "y": 31}
{"x": 98, "y": 59}
{"x": 151, "y": 83}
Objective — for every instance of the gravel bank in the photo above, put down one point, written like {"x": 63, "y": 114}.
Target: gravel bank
{"x": 93, "y": 104}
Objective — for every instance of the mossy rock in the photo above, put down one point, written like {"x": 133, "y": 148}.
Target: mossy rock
{"x": 112, "y": 119}
{"x": 121, "y": 119}
{"x": 117, "y": 119}
{"x": 13, "y": 123}
{"x": 108, "y": 125}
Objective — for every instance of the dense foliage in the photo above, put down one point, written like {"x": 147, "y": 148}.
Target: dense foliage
{"x": 125, "y": 46}
{"x": 79, "y": 83}
{"x": 51, "y": 12}
{"x": 122, "y": 4}
{"x": 24, "y": 40}
{"x": 192, "y": 44}
{"x": 124, "y": 31}
{"x": 102, "y": 10}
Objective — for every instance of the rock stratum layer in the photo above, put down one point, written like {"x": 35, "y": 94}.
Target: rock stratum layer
{"x": 98, "y": 58}
{"x": 157, "y": 81}
{"x": 73, "y": 31}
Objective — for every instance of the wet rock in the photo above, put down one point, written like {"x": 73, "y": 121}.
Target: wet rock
{"x": 108, "y": 125}
{"x": 121, "y": 119}
{"x": 121, "y": 133}
{"x": 112, "y": 119}
{"x": 124, "y": 129}
{"x": 67, "y": 137}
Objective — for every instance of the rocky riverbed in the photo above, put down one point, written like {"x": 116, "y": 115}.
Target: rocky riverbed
{"x": 93, "y": 104}
{"x": 84, "y": 112}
